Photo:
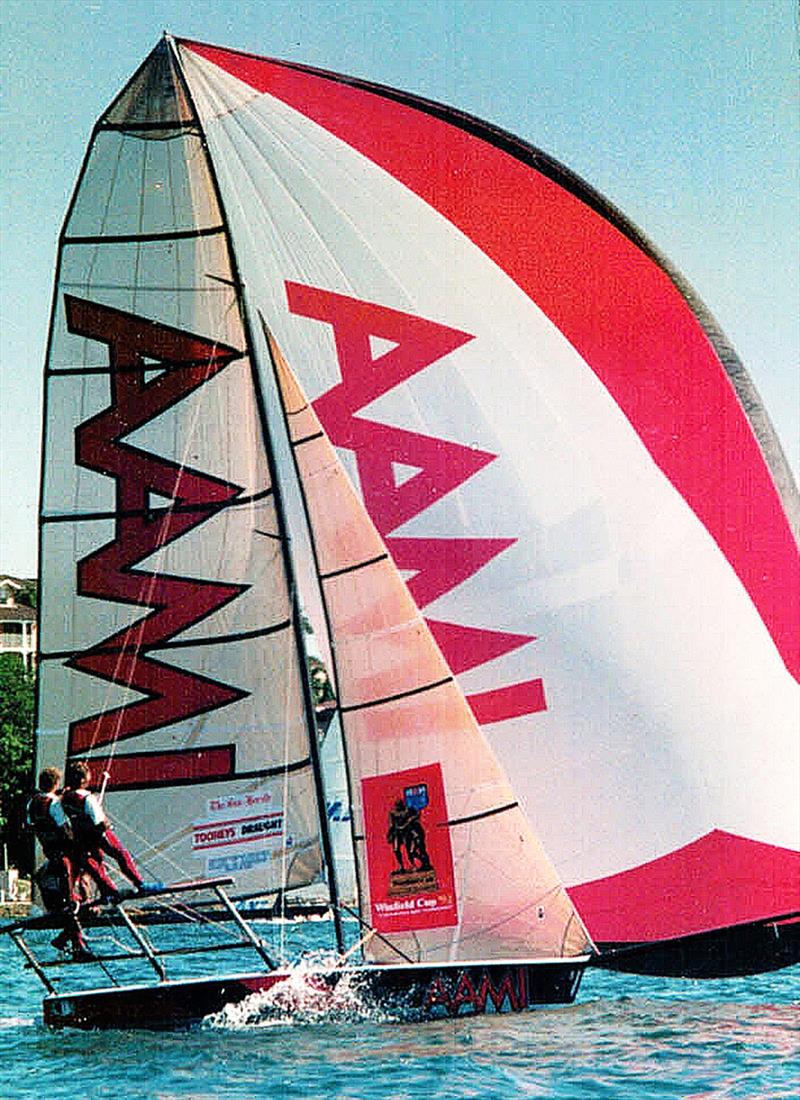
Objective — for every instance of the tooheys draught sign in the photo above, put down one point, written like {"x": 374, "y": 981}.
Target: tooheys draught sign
{"x": 409, "y": 859}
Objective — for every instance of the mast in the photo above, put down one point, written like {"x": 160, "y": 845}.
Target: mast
{"x": 319, "y": 783}
{"x": 324, "y": 603}
{"x": 311, "y": 730}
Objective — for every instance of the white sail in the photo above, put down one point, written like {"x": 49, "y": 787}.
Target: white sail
{"x": 565, "y": 459}
{"x": 165, "y": 603}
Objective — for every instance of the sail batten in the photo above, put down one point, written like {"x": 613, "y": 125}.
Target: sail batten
{"x": 386, "y": 699}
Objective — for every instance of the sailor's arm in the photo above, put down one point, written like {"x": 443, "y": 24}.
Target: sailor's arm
{"x": 59, "y": 818}
{"x": 94, "y": 811}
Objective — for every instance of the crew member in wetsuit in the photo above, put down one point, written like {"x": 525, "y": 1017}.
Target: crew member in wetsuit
{"x": 45, "y": 815}
{"x": 93, "y": 833}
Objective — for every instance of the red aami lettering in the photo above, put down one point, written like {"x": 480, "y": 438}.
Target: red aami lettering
{"x": 439, "y": 564}
{"x": 465, "y": 647}
{"x": 109, "y": 573}
{"x": 473, "y": 990}
{"x": 442, "y": 465}
{"x": 145, "y": 769}
{"x": 442, "y": 564}
{"x": 516, "y": 996}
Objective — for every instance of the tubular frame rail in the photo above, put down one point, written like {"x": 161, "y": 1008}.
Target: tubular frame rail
{"x": 146, "y": 949}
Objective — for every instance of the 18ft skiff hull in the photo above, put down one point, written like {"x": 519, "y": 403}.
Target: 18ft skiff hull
{"x": 416, "y": 992}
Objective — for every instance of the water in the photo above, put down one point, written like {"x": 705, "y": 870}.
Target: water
{"x": 625, "y": 1037}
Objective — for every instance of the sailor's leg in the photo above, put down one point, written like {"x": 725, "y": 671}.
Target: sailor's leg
{"x": 110, "y": 843}
{"x": 92, "y": 864}
{"x": 71, "y": 933}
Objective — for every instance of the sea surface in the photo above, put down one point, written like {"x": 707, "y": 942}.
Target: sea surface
{"x": 624, "y": 1037}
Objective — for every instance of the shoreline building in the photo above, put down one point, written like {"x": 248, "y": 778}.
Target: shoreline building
{"x": 17, "y": 621}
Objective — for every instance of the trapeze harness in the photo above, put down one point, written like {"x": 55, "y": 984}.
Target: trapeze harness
{"x": 45, "y": 815}
{"x": 94, "y": 835}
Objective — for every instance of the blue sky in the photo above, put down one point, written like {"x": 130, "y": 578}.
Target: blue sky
{"x": 684, "y": 114}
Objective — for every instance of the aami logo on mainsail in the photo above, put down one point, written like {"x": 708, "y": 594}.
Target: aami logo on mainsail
{"x": 439, "y": 564}
{"x": 184, "y": 362}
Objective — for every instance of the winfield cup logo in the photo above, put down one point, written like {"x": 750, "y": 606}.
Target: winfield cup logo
{"x": 414, "y": 872}
{"x": 409, "y": 857}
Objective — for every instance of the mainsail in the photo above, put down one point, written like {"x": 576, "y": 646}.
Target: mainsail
{"x": 553, "y": 441}
{"x": 164, "y": 593}
{"x": 480, "y": 885}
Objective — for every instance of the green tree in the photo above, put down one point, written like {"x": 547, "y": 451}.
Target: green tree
{"x": 17, "y": 690}
{"x": 29, "y": 594}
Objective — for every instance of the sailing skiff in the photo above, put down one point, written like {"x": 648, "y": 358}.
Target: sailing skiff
{"x": 556, "y": 457}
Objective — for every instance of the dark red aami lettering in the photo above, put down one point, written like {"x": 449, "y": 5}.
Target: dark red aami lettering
{"x": 472, "y": 990}
{"x": 137, "y": 346}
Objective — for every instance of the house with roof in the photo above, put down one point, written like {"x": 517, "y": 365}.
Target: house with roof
{"x": 17, "y": 620}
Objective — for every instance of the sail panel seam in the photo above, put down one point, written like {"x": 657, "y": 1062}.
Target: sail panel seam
{"x": 155, "y": 647}
{"x": 394, "y": 698}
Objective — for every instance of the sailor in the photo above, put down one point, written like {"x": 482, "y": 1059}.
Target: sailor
{"x": 93, "y": 833}
{"x": 45, "y": 815}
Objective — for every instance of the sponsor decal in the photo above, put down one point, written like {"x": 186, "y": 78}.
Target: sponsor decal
{"x": 409, "y": 858}
{"x": 239, "y": 831}
{"x": 338, "y": 811}
{"x": 476, "y": 991}
{"x": 233, "y": 864}
{"x": 439, "y": 564}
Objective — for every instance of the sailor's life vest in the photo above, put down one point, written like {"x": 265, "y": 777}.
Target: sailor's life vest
{"x": 52, "y": 839}
{"x": 87, "y": 834}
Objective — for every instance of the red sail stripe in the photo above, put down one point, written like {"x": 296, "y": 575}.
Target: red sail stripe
{"x": 718, "y": 880}
{"x": 441, "y": 564}
{"x": 137, "y": 770}
{"x": 514, "y": 701}
{"x": 466, "y": 647}
{"x": 617, "y": 307}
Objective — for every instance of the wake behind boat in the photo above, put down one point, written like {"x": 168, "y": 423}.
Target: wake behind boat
{"x": 123, "y": 999}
